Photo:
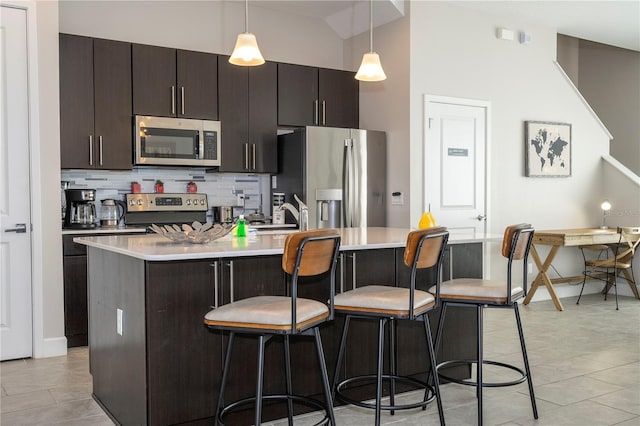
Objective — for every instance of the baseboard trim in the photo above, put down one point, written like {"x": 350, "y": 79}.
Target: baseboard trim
{"x": 53, "y": 346}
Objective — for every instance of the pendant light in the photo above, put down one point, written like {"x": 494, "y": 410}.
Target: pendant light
{"x": 246, "y": 53}
{"x": 370, "y": 68}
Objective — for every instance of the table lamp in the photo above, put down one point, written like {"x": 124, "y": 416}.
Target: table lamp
{"x": 605, "y": 206}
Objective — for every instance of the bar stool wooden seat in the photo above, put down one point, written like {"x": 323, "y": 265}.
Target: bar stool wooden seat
{"x": 387, "y": 305}
{"x": 479, "y": 293}
{"x": 308, "y": 253}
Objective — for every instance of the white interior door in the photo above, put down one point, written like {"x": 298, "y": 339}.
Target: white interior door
{"x": 15, "y": 218}
{"x": 455, "y": 169}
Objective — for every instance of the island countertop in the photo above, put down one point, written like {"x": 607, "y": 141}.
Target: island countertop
{"x": 153, "y": 247}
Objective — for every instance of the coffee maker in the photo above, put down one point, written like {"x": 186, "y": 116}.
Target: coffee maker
{"x": 80, "y": 209}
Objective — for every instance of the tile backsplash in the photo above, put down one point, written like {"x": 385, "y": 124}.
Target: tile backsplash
{"x": 222, "y": 189}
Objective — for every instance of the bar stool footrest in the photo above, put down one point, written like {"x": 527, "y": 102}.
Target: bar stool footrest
{"x": 460, "y": 362}
{"x": 418, "y": 384}
{"x": 302, "y": 400}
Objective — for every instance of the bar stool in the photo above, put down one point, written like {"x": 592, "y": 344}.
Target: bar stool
{"x": 482, "y": 294}
{"x": 309, "y": 253}
{"x": 387, "y": 304}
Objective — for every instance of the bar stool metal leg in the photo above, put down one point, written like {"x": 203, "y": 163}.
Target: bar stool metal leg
{"x": 434, "y": 372}
{"x": 225, "y": 374}
{"x": 261, "y": 344}
{"x": 343, "y": 344}
{"x": 381, "y": 323}
{"x": 526, "y": 361}
{"x": 325, "y": 379}
{"x": 479, "y": 368}
{"x": 287, "y": 369}
{"x": 393, "y": 365}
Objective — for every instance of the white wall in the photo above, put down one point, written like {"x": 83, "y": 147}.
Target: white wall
{"x": 207, "y": 26}
{"x": 456, "y": 53}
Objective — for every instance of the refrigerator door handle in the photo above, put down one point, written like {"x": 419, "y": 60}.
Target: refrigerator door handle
{"x": 346, "y": 183}
{"x": 349, "y": 182}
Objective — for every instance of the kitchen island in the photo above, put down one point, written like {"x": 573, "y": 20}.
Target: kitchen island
{"x": 154, "y": 362}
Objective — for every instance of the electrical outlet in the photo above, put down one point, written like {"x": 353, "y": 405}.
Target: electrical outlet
{"x": 240, "y": 199}
{"x": 119, "y": 321}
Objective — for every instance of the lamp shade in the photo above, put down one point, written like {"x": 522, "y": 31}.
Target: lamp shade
{"x": 246, "y": 53}
{"x": 370, "y": 68}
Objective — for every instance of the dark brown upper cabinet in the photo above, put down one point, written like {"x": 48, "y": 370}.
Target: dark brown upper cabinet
{"x": 174, "y": 83}
{"x": 95, "y": 103}
{"x": 309, "y": 96}
{"x": 248, "y": 115}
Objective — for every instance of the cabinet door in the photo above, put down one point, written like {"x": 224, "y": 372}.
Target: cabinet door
{"x": 197, "y": 89}
{"x": 263, "y": 118}
{"x": 154, "y": 80}
{"x": 184, "y": 359}
{"x": 75, "y": 300}
{"x": 339, "y": 98}
{"x": 297, "y": 95}
{"x": 76, "y": 102}
{"x": 112, "y": 89}
{"x": 233, "y": 103}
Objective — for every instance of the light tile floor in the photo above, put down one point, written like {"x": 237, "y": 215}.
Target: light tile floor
{"x": 585, "y": 366}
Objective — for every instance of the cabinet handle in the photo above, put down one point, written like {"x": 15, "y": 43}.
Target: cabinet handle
{"x": 324, "y": 113}
{"x": 246, "y": 156}
{"x": 91, "y": 150}
{"x": 315, "y": 112}
{"x": 353, "y": 270}
{"x": 100, "y": 148}
{"x": 215, "y": 285}
{"x": 182, "y": 101}
{"x": 341, "y": 272}
{"x": 173, "y": 99}
{"x": 253, "y": 149}
{"x": 231, "y": 295}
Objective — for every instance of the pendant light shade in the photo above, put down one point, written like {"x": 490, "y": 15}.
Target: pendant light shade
{"x": 371, "y": 68}
{"x": 246, "y": 52}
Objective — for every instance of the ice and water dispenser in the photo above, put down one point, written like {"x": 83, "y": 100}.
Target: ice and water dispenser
{"x": 328, "y": 203}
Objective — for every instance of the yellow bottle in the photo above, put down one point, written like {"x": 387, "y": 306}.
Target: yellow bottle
{"x": 427, "y": 221}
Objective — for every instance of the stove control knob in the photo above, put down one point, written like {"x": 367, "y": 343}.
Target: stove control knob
{"x": 188, "y": 202}
{"x": 139, "y": 202}
{"x": 202, "y": 202}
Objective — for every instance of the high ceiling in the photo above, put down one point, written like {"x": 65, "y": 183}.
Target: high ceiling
{"x": 616, "y": 23}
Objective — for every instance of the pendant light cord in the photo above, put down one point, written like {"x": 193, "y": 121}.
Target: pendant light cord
{"x": 246, "y": 16}
{"x": 370, "y": 25}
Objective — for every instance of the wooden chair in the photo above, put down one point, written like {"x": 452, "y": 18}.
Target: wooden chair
{"x": 480, "y": 294}
{"x": 608, "y": 269}
{"x": 309, "y": 253}
{"x": 387, "y": 305}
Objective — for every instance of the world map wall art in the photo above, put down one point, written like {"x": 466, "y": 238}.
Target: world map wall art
{"x": 547, "y": 150}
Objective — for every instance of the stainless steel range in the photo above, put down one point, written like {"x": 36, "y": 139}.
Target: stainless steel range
{"x": 145, "y": 209}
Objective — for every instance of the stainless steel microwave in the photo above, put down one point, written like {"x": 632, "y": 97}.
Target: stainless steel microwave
{"x": 176, "y": 141}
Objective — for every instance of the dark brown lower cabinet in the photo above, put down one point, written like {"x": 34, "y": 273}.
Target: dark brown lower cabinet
{"x": 165, "y": 367}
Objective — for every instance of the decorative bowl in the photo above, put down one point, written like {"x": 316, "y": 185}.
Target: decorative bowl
{"x": 196, "y": 233}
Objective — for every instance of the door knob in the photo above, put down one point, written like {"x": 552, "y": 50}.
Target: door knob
{"x": 481, "y": 217}
{"x": 21, "y": 228}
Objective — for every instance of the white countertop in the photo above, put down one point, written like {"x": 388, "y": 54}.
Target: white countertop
{"x": 153, "y": 247}
{"x": 105, "y": 230}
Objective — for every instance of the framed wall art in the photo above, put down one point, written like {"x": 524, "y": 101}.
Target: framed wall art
{"x": 547, "y": 149}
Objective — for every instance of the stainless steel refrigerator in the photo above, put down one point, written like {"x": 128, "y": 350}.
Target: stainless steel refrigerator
{"x": 333, "y": 168}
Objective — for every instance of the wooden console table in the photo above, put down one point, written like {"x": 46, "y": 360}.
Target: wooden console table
{"x": 563, "y": 238}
